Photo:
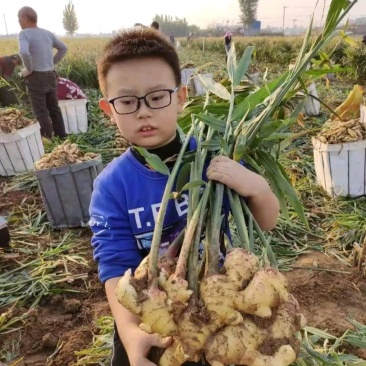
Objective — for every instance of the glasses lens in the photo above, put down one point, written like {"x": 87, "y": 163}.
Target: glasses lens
{"x": 126, "y": 105}
{"x": 158, "y": 99}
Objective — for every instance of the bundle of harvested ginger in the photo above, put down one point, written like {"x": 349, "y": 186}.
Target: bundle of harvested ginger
{"x": 64, "y": 154}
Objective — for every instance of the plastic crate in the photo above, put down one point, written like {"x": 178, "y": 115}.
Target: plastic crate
{"x": 20, "y": 149}
{"x": 66, "y": 192}
{"x": 75, "y": 115}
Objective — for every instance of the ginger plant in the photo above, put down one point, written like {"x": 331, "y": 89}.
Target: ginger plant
{"x": 233, "y": 310}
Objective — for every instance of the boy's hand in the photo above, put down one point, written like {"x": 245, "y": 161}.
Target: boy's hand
{"x": 237, "y": 177}
{"x": 139, "y": 345}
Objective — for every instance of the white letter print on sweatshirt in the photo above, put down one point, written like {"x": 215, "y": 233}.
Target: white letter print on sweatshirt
{"x": 181, "y": 207}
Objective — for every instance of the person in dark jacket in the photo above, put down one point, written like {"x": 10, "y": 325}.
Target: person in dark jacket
{"x": 227, "y": 41}
{"x": 364, "y": 40}
{"x": 7, "y": 67}
{"x": 172, "y": 39}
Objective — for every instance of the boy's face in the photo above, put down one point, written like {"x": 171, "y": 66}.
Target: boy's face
{"x": 146, "y": 127}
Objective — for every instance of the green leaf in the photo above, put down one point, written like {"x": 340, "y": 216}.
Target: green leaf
{"x": 218, "y": 108}
{"x": 196, "y": 183}
{"x": 183, "y": 176}
{"x": 154, "y": 161}
{"x": 215, "y": 88}
{"x": 240, "y": 147}
{"x": 322, "y": 72}
{"x": 335, "y": 9}
{"x": 224, "y": 146}
{"x": 211, "y": 145}
{"x": 216, "y": 124}
{"x": 271, "y": 127}
{"x": 348, "y": 39}
{"x": 256, "y": 98}
{"x": 191, "y": 109}
{"x": 279, "y": 136}
{"x": 243, "y": 65}
{"x": 320, "y": 333}
{"x": 316, "y": 355}
{"x": 231, "y": 62}
{"x": 185, "y": 119}
{"x": 282, "y": 182}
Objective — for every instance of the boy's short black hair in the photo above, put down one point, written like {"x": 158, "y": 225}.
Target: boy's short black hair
{"x": 137, "y": 43}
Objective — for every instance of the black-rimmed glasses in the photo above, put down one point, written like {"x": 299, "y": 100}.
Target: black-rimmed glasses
{"x": 156, "y": 99}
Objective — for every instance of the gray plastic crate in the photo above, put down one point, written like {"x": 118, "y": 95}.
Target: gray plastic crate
{"x": 66, "y": 192}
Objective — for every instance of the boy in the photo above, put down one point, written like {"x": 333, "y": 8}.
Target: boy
{"x": 140, "y": 79}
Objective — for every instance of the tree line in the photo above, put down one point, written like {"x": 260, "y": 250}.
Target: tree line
{"x": 178, "y": 27}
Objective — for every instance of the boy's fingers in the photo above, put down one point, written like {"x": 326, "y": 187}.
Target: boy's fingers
{"x": 159, "y": 341}
{"x": 223, "y": 160}
{"x": 218, "y": 170}
{"x": 220, "y": 158}
{"x": 218, "y": 177}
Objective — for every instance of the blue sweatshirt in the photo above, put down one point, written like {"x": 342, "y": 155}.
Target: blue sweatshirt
{"x": 123, "y": 210}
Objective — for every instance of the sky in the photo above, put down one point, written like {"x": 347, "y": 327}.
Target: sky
{"x": 107, "y": 15}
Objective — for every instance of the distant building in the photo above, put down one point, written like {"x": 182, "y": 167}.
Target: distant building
{"x": 360, "y": 21}
{"x": 254, "y": 29}
{"x": 358, "y": 26}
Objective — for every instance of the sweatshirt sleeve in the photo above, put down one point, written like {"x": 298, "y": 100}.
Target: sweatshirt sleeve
{"x": 61, "y": 50}
{"x": 114, "y": 245}
{"x": 24, "y": 51}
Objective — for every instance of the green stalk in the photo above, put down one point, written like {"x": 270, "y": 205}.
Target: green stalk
{"x": 193, "y": 268}
{"x": 239, "y": 220}
{"x": 213, "y": 255}
{"x": 191, "y": 194}
{"x": 175, "y": 245}
{"x": 216, "y": 220}
{"x": 228, "y": 128}
{"x": 181, "y": 267}
{"x": 213, "y": 250}
{"x": 197, "y": 174}
{"x": 155, "y": 245}
{"x": 266, "y": 245}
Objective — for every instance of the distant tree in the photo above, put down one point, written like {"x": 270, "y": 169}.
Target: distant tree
{"x": 175, "y": 26}
{"x": 248, "y": 10}
{"x": 193, "y": 29}
{"x": 70, "y": 20}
